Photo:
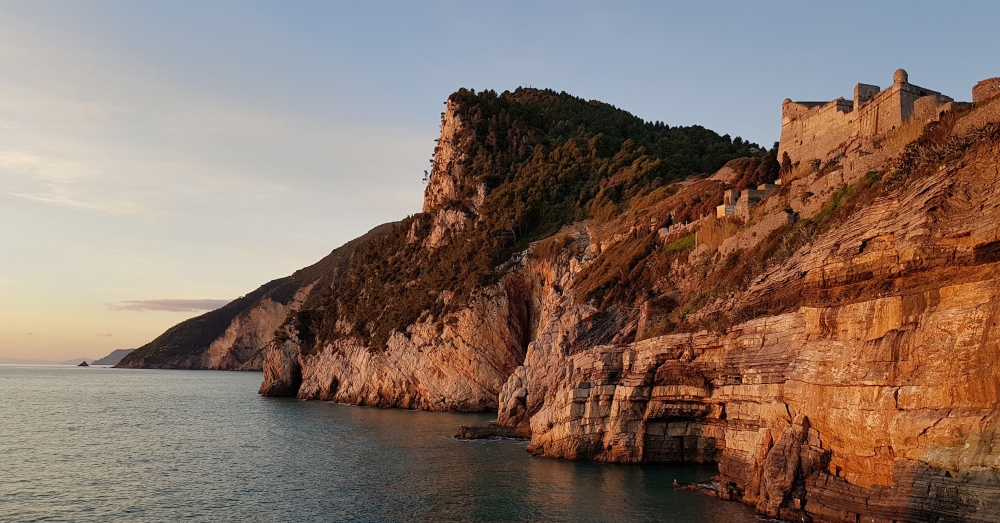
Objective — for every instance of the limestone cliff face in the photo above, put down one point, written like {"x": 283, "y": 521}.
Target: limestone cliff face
{"x": 856, "y": 376}
{"x": 454, "y": 193}
{"x": 451, "y": 182}
{"x": 240, "y": 347}
{"x": 455, "y": 365}
{"x": 873, "y": 398}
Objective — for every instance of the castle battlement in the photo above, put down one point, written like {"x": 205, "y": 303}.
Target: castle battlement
{"x": 820, "y": 130}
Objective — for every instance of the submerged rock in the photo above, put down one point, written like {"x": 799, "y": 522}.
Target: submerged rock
{"x": 489, "y": 430}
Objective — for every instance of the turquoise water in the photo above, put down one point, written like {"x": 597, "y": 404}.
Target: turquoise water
{"x": 101, "y": 444}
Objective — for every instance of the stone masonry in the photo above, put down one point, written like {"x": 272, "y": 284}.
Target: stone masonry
{"x": 738, "y": 203}
{"x": 823, "y": 130}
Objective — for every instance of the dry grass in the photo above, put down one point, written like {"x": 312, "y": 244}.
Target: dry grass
{"x": 550, "y": 248}
{"x": 715, "y": 230}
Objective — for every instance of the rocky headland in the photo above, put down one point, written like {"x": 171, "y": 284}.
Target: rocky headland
{"x": 831, "y": 342}
{"x": 234, "y": 337}
{"x": 116, "y": 356}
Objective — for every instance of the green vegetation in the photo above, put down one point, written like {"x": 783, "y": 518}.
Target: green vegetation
{"x": 684, "y": 244}
{"x": 547, "y": 159}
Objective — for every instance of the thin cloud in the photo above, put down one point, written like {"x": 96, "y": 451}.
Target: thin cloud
{"x": 104, "y": 334}
{"x": 102, "y": 207}
{"x": 167, "y": 305}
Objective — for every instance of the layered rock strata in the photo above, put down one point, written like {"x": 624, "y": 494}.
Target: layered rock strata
{"x": 864, "y": 388}
{"x": 874, "y": 399}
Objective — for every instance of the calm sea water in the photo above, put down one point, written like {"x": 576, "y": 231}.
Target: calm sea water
{"x": 101, "y": 444}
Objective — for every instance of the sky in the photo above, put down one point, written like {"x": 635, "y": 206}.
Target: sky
{"x": 158, "y": 159}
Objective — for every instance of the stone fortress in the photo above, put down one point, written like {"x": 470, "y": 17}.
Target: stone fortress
{"x": 823, "y": 130}
{"x": 848, "y": 138}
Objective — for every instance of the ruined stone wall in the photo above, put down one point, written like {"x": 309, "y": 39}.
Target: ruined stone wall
{"x": 984, "y": 113}
{"x": 925, "y": 109}
{"x": 985, "y": 90}
{"x": 749, "y": 237}
{"x": 748, "y": 199}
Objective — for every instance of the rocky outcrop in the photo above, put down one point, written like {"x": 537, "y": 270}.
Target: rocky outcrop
{"x": 457, "y": 363}
{"x": 873, "y": 398}
{"x": 451, "y": 182}
{"x": 488, "y": 431}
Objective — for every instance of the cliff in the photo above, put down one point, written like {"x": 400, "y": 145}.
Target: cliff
{"x": 847, "y": 370}
{"x": 437, "y": 314}
{"x": 832, "y": 347}
{"x": 834, "y": 351}
{"x": 233, "y": 337}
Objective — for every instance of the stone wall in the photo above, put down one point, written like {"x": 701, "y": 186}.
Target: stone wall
{"x": 985, "y": 90}
{"x": 984, "y": 113}
{"x": 816, "y": 131}
{"x": 812, "y": 132}
{"x": 749, "y": 237}
{"x": 863, "y": 93}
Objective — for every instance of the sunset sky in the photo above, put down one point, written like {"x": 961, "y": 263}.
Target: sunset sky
{"x": 158, "y": 159}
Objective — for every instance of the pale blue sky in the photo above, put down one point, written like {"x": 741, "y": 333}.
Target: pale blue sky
{"x": 195, "y": 150}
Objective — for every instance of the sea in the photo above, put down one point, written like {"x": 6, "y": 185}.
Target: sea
{"x": 98, "y": 444}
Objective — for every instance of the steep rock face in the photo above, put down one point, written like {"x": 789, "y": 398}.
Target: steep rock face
{"x": 453, "y": 192}
{"x": 234, "y": 336}
{"x": 421, "y": 321}
{"x": 860, "y": 381}
{"x": 874, "y": 398}
{"x": 455, "y": 363}
{"x": 451, "y": 182}
{"x": 239, "y": 348}
{"x": 458, "y": 364}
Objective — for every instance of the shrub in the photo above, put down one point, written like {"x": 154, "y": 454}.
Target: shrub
{"x": 684, "y": 244}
